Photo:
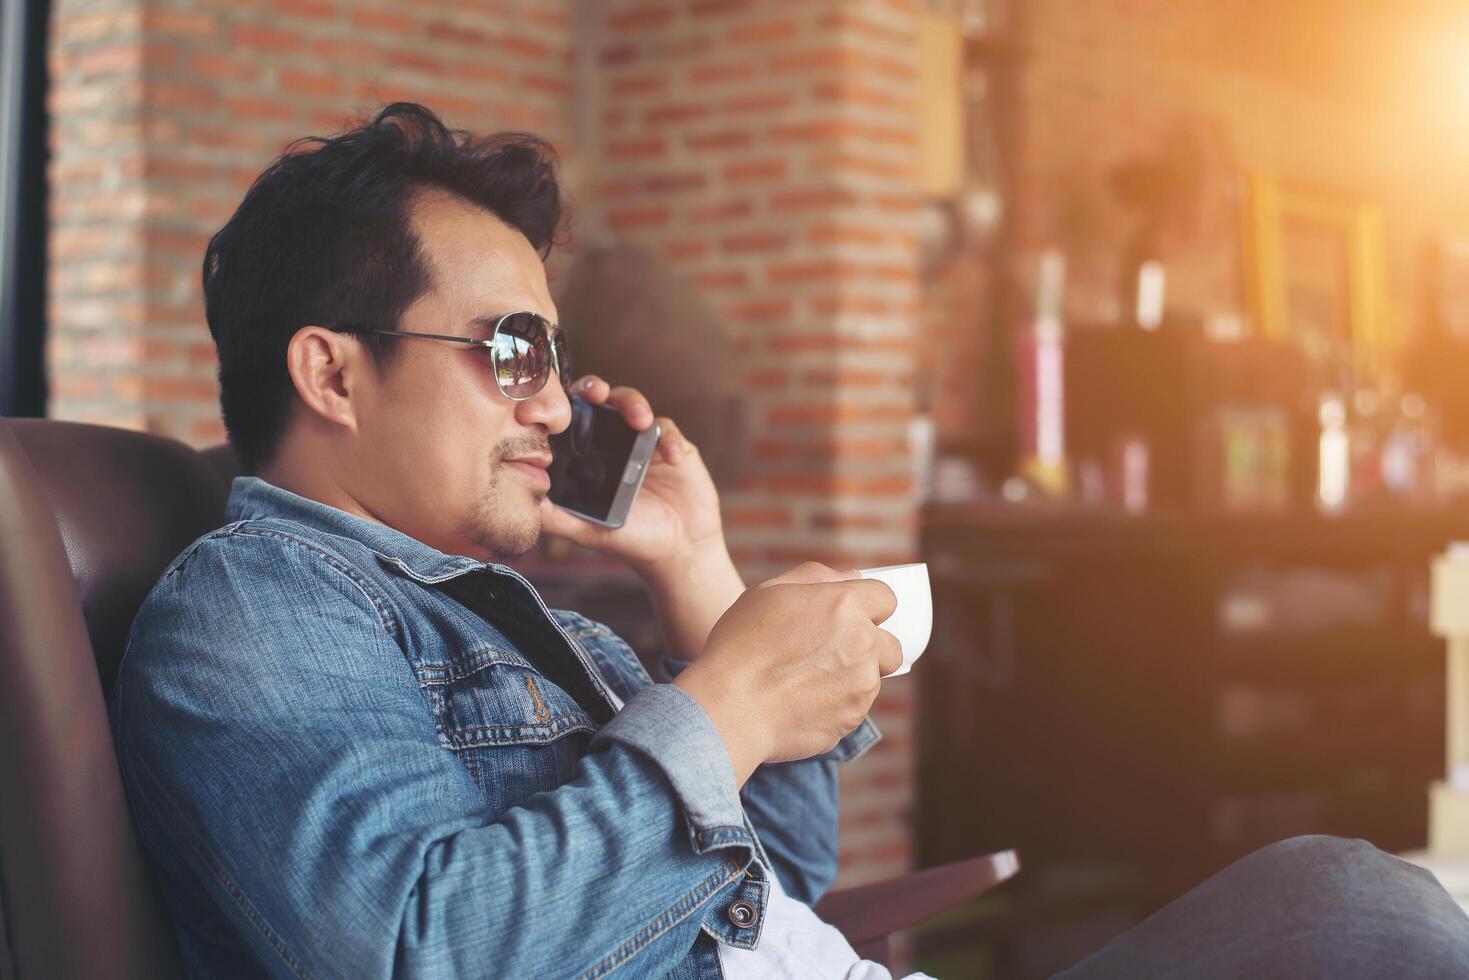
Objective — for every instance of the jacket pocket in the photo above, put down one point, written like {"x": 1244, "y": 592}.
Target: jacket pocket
{"x": 516, "y": 731}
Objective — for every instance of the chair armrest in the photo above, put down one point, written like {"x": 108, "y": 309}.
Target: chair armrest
{"x": 870, "y": 912}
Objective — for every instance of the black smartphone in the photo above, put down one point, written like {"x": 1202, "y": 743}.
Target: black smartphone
{"x": 598, "y": 463}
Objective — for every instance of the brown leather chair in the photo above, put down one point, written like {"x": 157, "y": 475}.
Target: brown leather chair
{"x": 89, "y": 518}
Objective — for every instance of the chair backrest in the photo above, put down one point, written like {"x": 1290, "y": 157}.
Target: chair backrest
{"x": 89, "y": 518}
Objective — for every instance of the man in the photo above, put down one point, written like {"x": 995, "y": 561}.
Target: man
{"x": 359, "y": 745}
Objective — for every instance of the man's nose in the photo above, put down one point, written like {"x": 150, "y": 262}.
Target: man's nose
{"x": 549, "y": 407}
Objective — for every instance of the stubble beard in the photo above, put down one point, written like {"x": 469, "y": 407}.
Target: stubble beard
{"x": 499, "y": 525}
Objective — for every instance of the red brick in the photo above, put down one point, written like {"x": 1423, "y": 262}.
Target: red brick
{"x": 205, "y": 432}
{"x": 314, "y": 83}
{"x": 854, "y": 377}
{"x": 673, "y": 183}
{"x": 768, "y": 379}
{"x": 351, "y": 50}
{"x": 761, "y": 308}
{"x": 674, "y": 114}
{"x": 255, "y": 108}
{"x": 718, "y": 8}
{"x": 392, "y": 21}
{"x": 764, "y": 33}
{"x": 878, "y": 164}
{"x": 639, "y": 84}
{"x": 831, "y": 130}
{"x": 223, "y": 67}
{"x": 157, "y": 350}
{"x": 180, "y": 96}
{"x": 181, "y": 389}
{"x": 263, "y": 38}
{"x": 756, "y": 170}
{"x": 641, "y": 19}
{"x": 729, "y": 139}
{"x": 114, "y": 58}
{"x": 735, "y": 516}
{"x": 686, "y": 250}
{"x": 645, "y": 148}
{"x": 713, "y": 74}
{"x": 756, "y": 241}
{"x": 617, "y": 55}
{"x": 478, "y": 70}
{"x": 844, "y": 234}
{"x": 624, "y": 219}
{"x": 720, "y": 279}
{"x": 311, "y": 9}
{"x": 905, "y": 203}
{"x": 854, "y": 23}
{"x": 558, "y": 21}
{"x": 768, "y": 104}
{"x": 832, "y": 61}
{"x": 840, "y": 303}
{"x": 721, "y": 210}
{"x": 523, "y": 46}
{"x": 816, "y": 198}
{"x": 442, "y": 30}
{"x": 871, "y": 96}
{"x": 182, "y": 23}
{"x": 813, "y": 270}
{"x": 774, "y": 450}
{"x": 833, "y": 521}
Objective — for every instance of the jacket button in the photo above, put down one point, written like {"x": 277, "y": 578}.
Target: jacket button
{"x": 742, "y": 914}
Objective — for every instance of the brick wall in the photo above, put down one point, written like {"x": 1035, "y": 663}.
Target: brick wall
{"x": 162, "y": 114}
{"x": 765, "y": 150}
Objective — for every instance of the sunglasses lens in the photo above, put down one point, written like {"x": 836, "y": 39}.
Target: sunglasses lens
{"x": 522, "y": 355}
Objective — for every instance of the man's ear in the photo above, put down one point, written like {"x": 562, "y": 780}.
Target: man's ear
{"x": 327, "y": 366}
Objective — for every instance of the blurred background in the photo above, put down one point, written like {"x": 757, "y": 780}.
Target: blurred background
{"x": 1141, "y": 321}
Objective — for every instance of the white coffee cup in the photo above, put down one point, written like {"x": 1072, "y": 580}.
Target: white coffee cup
{"x": 912, "y": 621}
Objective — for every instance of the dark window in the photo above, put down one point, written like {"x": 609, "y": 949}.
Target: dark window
{"x": 23, "y": 206}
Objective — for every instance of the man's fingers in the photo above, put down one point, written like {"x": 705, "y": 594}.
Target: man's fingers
{"x": 591, "y": 388}
{"x": 633, "y": 406}
{"x": 809, "y": 573}
{"x": 673, "y": 444}
{"x": 878, "y": 600}
{"x": 889, "y": 653}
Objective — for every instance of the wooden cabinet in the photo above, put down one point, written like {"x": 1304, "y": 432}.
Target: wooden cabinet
{"x": 1157, "y": 697}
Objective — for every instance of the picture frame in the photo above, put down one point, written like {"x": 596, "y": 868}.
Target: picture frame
{"x": 1275, "y": 212}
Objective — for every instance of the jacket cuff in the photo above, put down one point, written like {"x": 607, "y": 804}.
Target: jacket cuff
{"x": 856, "y": 742}
{"x": 669, "y": 727}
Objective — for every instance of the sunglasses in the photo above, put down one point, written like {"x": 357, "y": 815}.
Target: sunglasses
{"x": 524, "y": 349}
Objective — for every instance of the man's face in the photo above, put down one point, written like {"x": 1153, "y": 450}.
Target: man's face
{"x": 445, "y": 457}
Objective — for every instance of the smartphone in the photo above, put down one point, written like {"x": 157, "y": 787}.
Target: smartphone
{"x": 598, "y": 463}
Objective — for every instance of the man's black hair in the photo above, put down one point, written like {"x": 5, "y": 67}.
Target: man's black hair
{"x": 324, "y": 236}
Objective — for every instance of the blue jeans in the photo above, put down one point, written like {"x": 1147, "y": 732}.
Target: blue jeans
{"x": 1302, "y": 908}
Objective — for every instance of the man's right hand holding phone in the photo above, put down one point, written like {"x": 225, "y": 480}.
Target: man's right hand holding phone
{"x": 794, "y": 664}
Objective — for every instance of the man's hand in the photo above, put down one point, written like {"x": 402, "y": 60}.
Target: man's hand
{"x": 675, "y": 515}
{"x": 794, "y": 664}
{"x": 673, "y": 537}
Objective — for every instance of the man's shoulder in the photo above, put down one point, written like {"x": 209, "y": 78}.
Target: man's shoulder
{"x": 274, "y": 546}
{"x": 259, "y": 562}
{"x": 259, "y": 585}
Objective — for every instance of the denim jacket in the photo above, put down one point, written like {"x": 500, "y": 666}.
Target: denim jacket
{"x": 352, "y": 755}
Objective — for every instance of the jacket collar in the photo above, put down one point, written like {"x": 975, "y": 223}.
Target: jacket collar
{"x": 252, "y": 498}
